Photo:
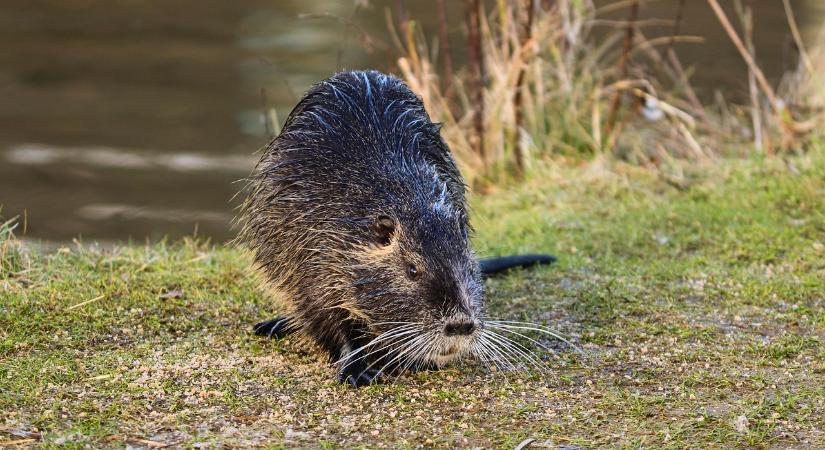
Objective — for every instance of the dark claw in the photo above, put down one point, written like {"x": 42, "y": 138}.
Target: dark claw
{"x": 358, "y": 374}
{"x": 276, "y": 328}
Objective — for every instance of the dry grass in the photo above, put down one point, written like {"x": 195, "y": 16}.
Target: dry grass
{"x": 553, "y": 89}
{"x": 13, "y": 258}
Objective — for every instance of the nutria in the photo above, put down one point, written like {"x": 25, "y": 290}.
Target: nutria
{"x": 357, "y": 213}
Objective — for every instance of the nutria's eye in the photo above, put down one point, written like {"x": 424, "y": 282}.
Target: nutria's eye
{"x": 383, "y": 228}
{"x": 413, "y": 272}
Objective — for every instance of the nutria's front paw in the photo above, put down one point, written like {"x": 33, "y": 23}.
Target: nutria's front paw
{"x": 276, "y": 328}
{"x": 358, "y": 374}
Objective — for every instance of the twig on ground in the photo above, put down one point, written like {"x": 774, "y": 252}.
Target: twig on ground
{"x": 85, "y": 303}
{"x": 154, "y": 444}
{"x": 523, "y": 444}
{"x": 16, "y": 442}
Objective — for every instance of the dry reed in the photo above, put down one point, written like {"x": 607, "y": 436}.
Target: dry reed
{"x": 539, "y": 86}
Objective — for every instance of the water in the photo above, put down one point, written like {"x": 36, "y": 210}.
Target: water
{"x": 132, "y": 120}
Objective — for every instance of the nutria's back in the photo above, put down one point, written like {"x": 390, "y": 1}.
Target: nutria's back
{"x": 357, "y": 213}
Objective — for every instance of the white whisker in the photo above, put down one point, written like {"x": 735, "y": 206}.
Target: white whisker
{"x": 410, "y": 345}
{"x": 400, "y": 340}
{"x": 517, "y": 349}
{"x": 494, "y": 355}
{"x": 533, "y": 327}
{"x": 498, "y": 357}
{"x": 390, "y": 334}
{"x": 509, "y": 330}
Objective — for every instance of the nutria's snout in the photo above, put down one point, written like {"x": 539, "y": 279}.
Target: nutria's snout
{"x": 457, "y": 338}
{"x": 462, "y": 328}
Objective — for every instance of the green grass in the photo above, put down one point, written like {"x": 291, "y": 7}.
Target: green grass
{"x": 701, "y": 303}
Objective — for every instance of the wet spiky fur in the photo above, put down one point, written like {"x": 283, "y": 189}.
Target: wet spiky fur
{"x": 357, "y": 213}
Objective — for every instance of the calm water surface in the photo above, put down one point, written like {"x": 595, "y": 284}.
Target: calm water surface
{"x": 132, "y": 120}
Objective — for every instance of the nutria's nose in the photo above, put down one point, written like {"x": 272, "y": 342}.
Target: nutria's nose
{"x": 459, "y": 328}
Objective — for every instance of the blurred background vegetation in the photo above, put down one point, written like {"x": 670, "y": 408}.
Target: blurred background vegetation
{"x": 133, "y": 120}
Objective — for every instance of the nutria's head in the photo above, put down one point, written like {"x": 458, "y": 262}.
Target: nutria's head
{"x": 420, "y": 279}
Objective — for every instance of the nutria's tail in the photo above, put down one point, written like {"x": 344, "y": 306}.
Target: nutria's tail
{"x": 490, "y": 266}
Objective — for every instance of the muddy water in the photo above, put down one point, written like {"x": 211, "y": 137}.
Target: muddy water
{"x": 131, "y": 120}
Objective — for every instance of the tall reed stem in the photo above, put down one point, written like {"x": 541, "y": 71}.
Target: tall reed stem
{"x": 518, "y": 155}
{"x": 746, "y": 55}
{"x": 446, "y": 54}
{"x": 476, "y": 61}
{"x": 623, "y": 63}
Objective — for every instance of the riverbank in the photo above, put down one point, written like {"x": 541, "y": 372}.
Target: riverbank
{"x": 699, "y": 296}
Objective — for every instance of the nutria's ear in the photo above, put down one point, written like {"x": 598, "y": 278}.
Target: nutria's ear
{"x": 383, "y": 228}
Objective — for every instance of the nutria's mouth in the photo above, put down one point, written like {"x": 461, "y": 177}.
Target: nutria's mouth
{"x": 453, "y": 349}
{"x": 448, "y": 353}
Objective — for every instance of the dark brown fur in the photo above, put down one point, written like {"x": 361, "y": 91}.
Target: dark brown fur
{"x": 357, "y": 214}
